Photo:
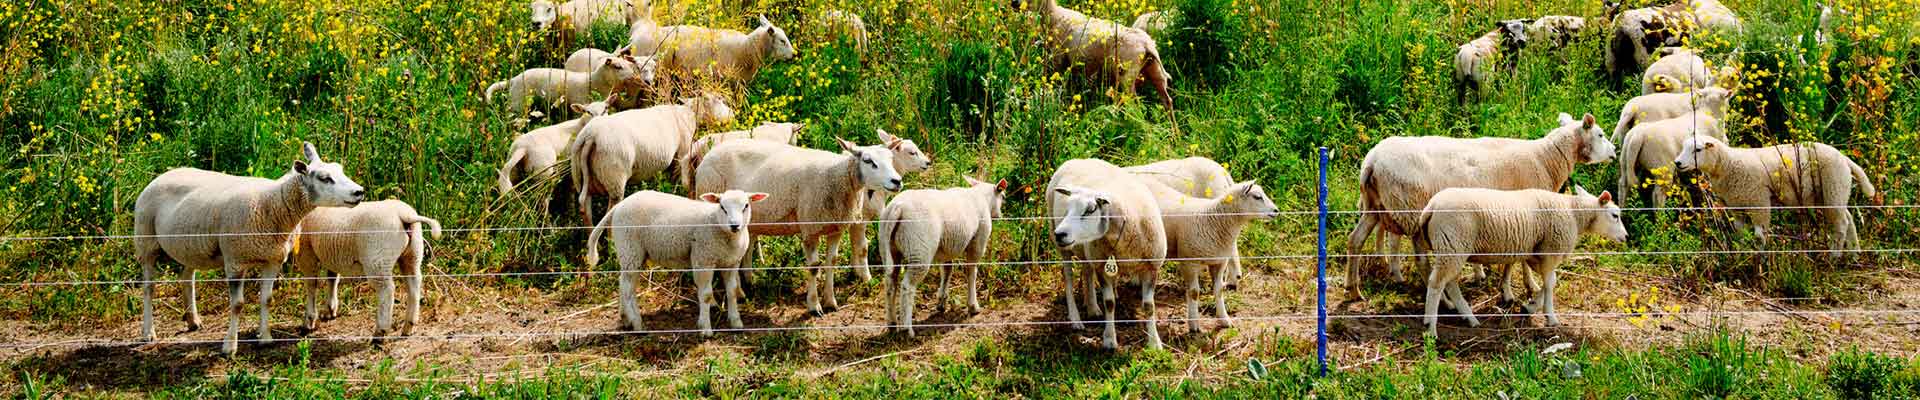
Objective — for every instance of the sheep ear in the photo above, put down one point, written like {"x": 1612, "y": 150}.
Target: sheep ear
{"x": 1606, "y": 197}
{"x": 1566, "y": 119}
{"x": 710, "y": 197}
{"x": 300, "y": 167}
{"x": 1581, "y": 191}
{"x": 1001, "y": 187}
{"x": 1707, "y": 144}
{"x": 884, "y": 136}
{"x": 845, "y": 145}
{"x": 306, "y": 149}
{"x": 1063, "y": 191}
{"x": 1587, "y": 123}
{"x": 971, "y": 181}
{"x": 577, "y": 108}
{"x": 763, "y": 20}
{"x": 1100, "y": 202}
{"x": 797, "y": 126}
{"x": 756, "y": 197}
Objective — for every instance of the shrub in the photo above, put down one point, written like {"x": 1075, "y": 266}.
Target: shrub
{"x": 1202, "y": 48}
{"x": 967, "y": 85}
{"x": 1857, "y": 374}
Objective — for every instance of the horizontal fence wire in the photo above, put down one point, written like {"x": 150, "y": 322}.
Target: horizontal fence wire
{"x": 869, "y": 221}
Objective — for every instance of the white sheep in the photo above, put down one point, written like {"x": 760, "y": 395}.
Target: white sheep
{"x": 777, "y": 132}
{"x": 844, "y": 24}
{"x": 1794, "y": 175}
{"x": 1197, "y": 177}
{"x": 1157, "y": 22}
{"x": 1637, "y": 32}
{"x": 614, "y": 149}
{"x": 578, "y": 16}
{"x": 1489, "y": 226}
{"x": 1649, "y": 149}
{"x": 1661, "y": 106}
{"x": 1712, "y": 16}
{"x": 1205, "y": 231}
{"x": 1101, "y": 212}
{"x": 563, "y": 87}
{"x": 1400, "y": 173}
{"x": 240, "y": 225}
{"x": 1556, "y": 30}
{"x": 922, "y": 227}
{"x": 1677, "y": 70}
{"x": 1472, "y": 67}
{"x": 816, "y": 195}
{"x": 704, "y": 236}
{"x": 1108, "y": 50}
{"x": 366, "y": 240}
{"x": 687, "y": 51}
{"x": 907, "y": 159}
{"x": 538, "y": 150}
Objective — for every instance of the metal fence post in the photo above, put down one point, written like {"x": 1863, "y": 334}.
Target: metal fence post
{"x": 1321, "y": 332}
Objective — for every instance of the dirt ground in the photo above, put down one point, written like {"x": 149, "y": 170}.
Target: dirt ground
{"x": 474, "y": 330}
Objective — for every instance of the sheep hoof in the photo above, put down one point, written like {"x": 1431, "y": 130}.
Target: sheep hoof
{"x": 1079, "y": 326}
{"x": 380, "y": 341}
{"x": 229, "y": 348}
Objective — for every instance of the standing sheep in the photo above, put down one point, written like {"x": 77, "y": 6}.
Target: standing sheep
{"x": 705, "y": 236}
{"x": 241, "y": 225}
{"x": 577, "y": 17}
{"x": 1206, "y": 231}
{"x": 1101, "y": 212}
{"x": 1662, "y": 106}
{"x": 908, "y": 159}
{"x": 1678, "y": 70}
{"x": 1637, "y": 32}
{"x": 1555, "y": 30}
{"x": 1107, "y": 50}
{"x": 1196, "y": 177}
{"x": 537, "y": 151}
{"x": 1157, "y": 22}
{"x": 923, "y": 227}
{"x": 1712, "y": 16}
{"x": 816, "y": 195}
{"x": 1490, "y": 226}
{"x": 687, "y": 51}
{"x": 845, "y": 25}
{"x": 563, "y": 87}
{"x": 1793, "y": 175}
{"x": 777, "y": 132}
{"x": 1471, "y": 68}
{"x": 1652, "y": 147}
{"x": 614, "y": 149}
{"x": 366, "y": 240}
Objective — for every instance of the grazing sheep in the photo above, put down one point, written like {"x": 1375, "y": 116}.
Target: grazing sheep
{"x": 1101, "y": 212}
{"x": 1649, "y": 149}
{"x": 687, "y": 51}
{"x": 1156, "y": 22}
{"x": 778, "y": 132}
{"x": 563, "y": 87}
{"x": 923, "y": 227}
{"x": 366, "y": 240}
{"x": 816, "y": 195}
{"x": 1677, "y": 70}
{"x": 611, "y": 150}
{"x": 1712, "y": 16}
{"x": 1206, "y": 231}
{"x": 847, "y": 25}
{"x": 1794, "y": 175}
{"x": 537, "y": 151}
{"x": 577, "y": 17}
{"x": 240, "y": 225}
{"x": 1471, "y": 70}
{"x": 1489, "y": 226}
{"x": 908, "y": 159}
{"x": 1106, "y": 49}
{"x": 1401, "y": 173}
{"x": 1557, "y": 30}
{"x": 1661, "y": 106}
{"x": 704, "y": 236}
{"x": 1197, "y": 177}
{"x": 1637, "y": 32}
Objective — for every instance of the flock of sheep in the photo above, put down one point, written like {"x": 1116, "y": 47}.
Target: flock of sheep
{"x": 1485, "y": 200}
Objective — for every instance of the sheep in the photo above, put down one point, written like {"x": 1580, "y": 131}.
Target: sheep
{"x": 1557, "y": 30}
{"x": 613, "y": 149}
{"x": 241, "y": 225}
{"x": 537, "y": 151}
{"x": 1197, "y": 177}
{"x": 923, "y": 227}
{"x": 1206, "y": 231}
{"x": 908, "y": 159}
{"x": 1400, "y": 173}
{"x": 577, "y": 17}
{"x": 1653, "y": 146}
{"x": 816, "y": 195}
{"x": 1101, "y": 212}
{"x": 1490, "y": 226}
{"x": 1661, "y": 106}
{"x": 778, "y": 132}
{"x": 1712, "y": 16}
{"x": 1801, "y": 174}
{"x": 691, "y": 51}
{"x": 1156, "y": 22}
{"x": 704, "y": 236}
{"x": 847, "y": 25}
{"x": 1639, "y": 31}
{"x": 1504, "y": 42}
{"x": 1108, "y": 50}
{"x": 1677, "y": 70}
{"x": 563, "y": 87}
{"x": 366, "y": 240}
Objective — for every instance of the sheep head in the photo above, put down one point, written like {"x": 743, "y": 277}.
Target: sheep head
{"x": 872, "y": 165}
{"x": 779, "y": 47}
{"x": 595, "y": 109}
{"x": 326, "y": 184}
{"x": 1249, "y": 199}
{"x": 736, "y": 208}
{"x": 1698, "y": 152}
{"x": 1713, "y": 100}
{"x": 907, "y": 156}
{"x": 997, "y": 196}
{"x": 1603, "y": 215}
{"x": 1592, "y": 145}
{"x": 1513, "y": 34}
{"x": 1086, "y": 219}
{"x": 544, "y": 14}
{"x": 710, "y": 108}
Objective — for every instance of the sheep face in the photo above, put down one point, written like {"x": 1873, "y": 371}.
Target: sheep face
{"x": 1594, "y": 146}
{"x": 711, "y": 108}
{"x": 907, "y": 156}
{"x": 1603, "y": 215}
{"x": 997, "y": 199}
{"x": 594, "y": 109}
{"x": 1253, "y": 200}
{"x": 874, "y": 166}
{"x": 779, "y": 47}
{"x": 326, "y": 183}
{"x": 1086, "y": 219}
{"x": 736, "y": 208}
{"x": 544, "y": 15}
{"x": 1713, "y": 99}
{"x": 1513, "y": 34}
{"x": 1697, "y": 151}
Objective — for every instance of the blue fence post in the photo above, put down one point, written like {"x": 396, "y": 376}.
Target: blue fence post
{"x": 1321, "y": 332}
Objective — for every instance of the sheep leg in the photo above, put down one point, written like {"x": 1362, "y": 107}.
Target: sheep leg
{"x": 313, "y": 305}
{"x": 973, "y": 285}
{"x": 1547, "y": 271}
{"x": 940, "y": 295}
{"x": 703, "y": 296}
{"x": 1233, "y": 262}
{"x": 857, "y": 238}
{"x": 415, "y": 289}
{"x": 266, "y": 296}
{"x": 1107, "y": 338}
{"x": 383, "y": 311}
{"x": 193, "y": 301}
{"x": 809, "y": 245}
{"x": 1192, "y": 296}
{"x": 1439, "y": 276}
{"x": 1460, "y": 301}
{"x": 890, "y": 292}
{"x": 1094, "y": 307}
{"x": 629, "y": 310}
{"x": 1392, "y": 259}
{"x": 1073, "y": 310}
{"x": 235, "y": 289}
{"x": 733, "y": 302}
{"x": 909, "y": 279}
{"x": 1355, "y": 244}
{"x": 333, "y": 296}
{"x": 1146, "y": 300}
{"x": 1220, "y": 296}
{"x": 831, "y": 271}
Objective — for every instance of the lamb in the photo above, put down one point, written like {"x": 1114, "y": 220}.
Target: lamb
{"x": 1556, "y": 30}
{"x": 537, "y": 151}
{"x": 1101, "y": 212}
{"x": 846, "y": 25}
{"x": 691, "y": 51}
{"x": 1652, "y": 147}
{"x": 704, "y": 236}
{"x": 563, "y": 87}
{"x": 1206, "y": 231}
{"x": 1470, "y": 69}
{"x": 908, "y": 159}
{"x": 816, "y": 195}
{"x": 1637, "y": 32}
{"x": 1196, "y": 177}
{"x": 1108, "y": 50}
{"x": 1154, "y": 23}
{"x": 924, "y": 227}
{"x": 611, "y": 150}
{"x": 1677, "y": 70}
{"x": 1661, "y": 106}
{"x": 1802, "y": 174}
{"x": 1400, "y": 174}
{"x": 241, "y": 225}
{"x": 577, "y": 17}
{"x": 366, "y": 240}
{"x": 1489, "y": 226}
{"x": 778, "y": 132}
{"x": 1712, "y": 16}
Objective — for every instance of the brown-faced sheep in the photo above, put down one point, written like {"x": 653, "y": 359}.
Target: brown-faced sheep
{"x": 1473, "y": 64}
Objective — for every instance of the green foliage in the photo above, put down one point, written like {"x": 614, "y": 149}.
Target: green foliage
{"x": 968, "y": 86}
{"x": 1860, "y": 374}
{"x": 1203, "y": 42}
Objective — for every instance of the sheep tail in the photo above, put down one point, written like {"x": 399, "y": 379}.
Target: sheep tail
{"x": 506, "y": 171}
{"x": 889, "y": 224}
{"x": 432, "y": 225}
{"x": 1859, "y": 175}
{"x": 593, "y": 239}
{"x": 496, "y": 87}
{"x": 1629, "y": 163}
{"x": 1627, "y": 117}
{"x": 583, "y": 167}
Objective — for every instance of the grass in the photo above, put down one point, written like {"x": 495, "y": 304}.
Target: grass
{"x": 99, "y": 96}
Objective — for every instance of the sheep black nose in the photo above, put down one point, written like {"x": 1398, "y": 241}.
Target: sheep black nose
{"x": 359, "y": 193}
{"x": 1060, "y": 236}
{"x": 735, "y": 228}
